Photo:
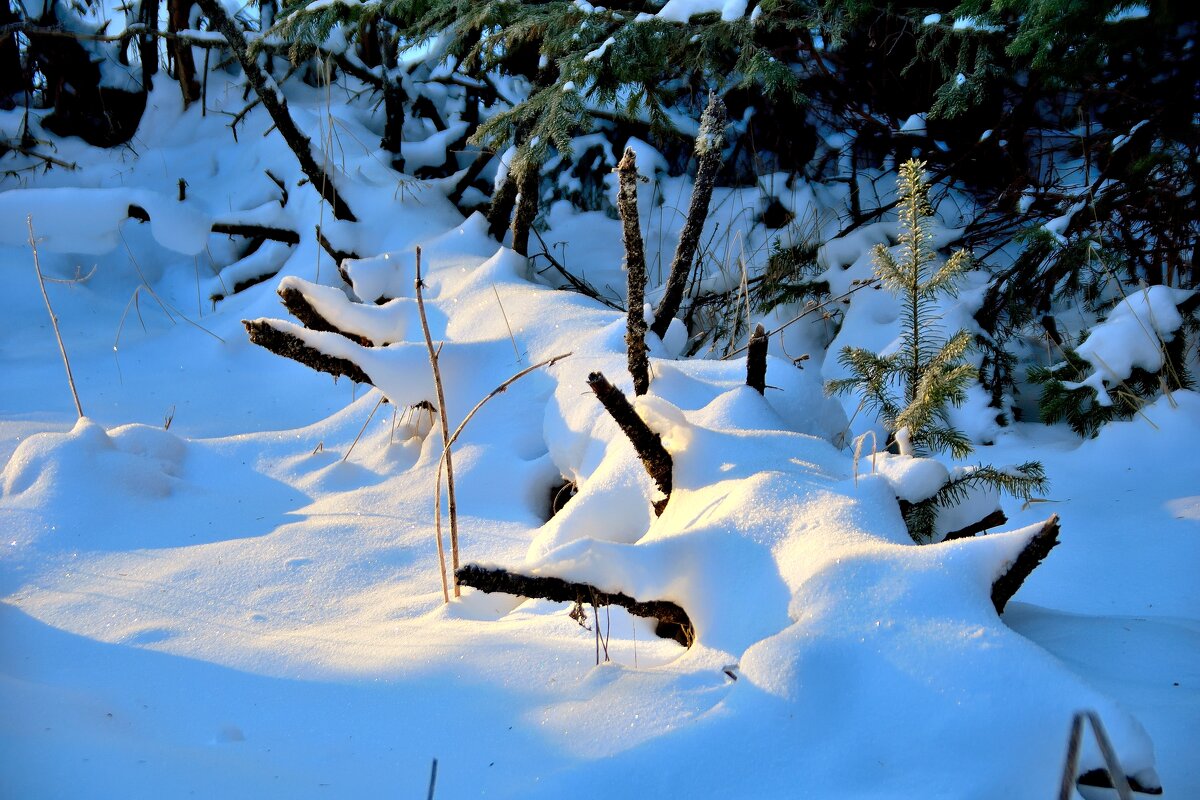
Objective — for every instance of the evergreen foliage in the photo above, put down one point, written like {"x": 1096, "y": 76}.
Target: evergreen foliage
{"x": 911, "y": 389}
{"x": 929, "y": 372}
{"x": 1020, "y": 481}
{"x": 1063, "y": 399}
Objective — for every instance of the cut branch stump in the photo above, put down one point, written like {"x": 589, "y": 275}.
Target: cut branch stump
{"x": 756, "y": 360}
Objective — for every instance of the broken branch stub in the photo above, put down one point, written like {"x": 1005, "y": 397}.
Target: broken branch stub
{"x": 646, "y": 443}
{"x": 635, "y": 269}
{"x": 1030, "y": 557}
{"x": 300, "y": 308}
{"x": 756, "y": 360}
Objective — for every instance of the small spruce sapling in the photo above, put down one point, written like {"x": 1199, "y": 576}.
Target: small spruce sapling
{"x": 911, "y": 389}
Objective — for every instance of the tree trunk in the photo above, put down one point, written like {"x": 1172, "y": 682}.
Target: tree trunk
{"x": 528, "y": 180}
{"x": 756, "y": 360}
{"x": 178, "y": 17}
{"x": 708, "y": 148}
{"x": 12, "y": 78}
{"x": 635, "y": 269}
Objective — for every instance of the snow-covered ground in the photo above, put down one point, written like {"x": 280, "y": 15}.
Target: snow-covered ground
{"x": 214, "y": 586}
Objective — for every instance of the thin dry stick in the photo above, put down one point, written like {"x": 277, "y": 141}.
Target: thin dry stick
{"x": 363, "y": 428}
{"x": 432, "y": 780}
{"x": 862, "y": 285}
{"x": 37, "y": 266}
{"x": 511, "y": 338}
{"x": 500, "y": 390}
{"x": 441, "y": 398}
{"x": 449, "y": 442}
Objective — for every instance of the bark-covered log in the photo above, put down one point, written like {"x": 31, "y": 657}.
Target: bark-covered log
{"x": 756, "y": 360}
{"x": 646, "y": 443}
{"x": 299, "y": 307}
{"x": 288, "y": 345}
{"x": 709, "y": 143}
{"x": 561, "y": 591}
{"x": 1038, "y": 548}
{"x": 276, "y": 105}
{"x": 635, "y": 269}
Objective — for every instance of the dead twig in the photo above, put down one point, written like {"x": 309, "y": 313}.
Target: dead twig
{"x": 37, "y": 266}
{"x": 446, "y": 458}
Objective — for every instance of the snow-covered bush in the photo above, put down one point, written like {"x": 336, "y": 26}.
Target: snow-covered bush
{"x": 1125, "y": 362}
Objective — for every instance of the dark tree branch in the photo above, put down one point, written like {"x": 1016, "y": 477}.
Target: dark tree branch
{"x": 1035, "y": 551}
{"x": 646, "y": 443}
{"x": 992, "y": 520}
{"x": 233, "y": 228}
{"x": 299, "y": 307}
{"x": 709, "y": 143}
{"x": 561, "y": 591}
{"x": 276, "y": 105}
{"x": 288, "y": 345}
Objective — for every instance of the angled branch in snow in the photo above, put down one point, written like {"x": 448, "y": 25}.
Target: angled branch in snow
{"x": 992, "y": 520}
{"x": 709, "y": 143}
{"x": 561, "y": 591}
{"x": 1035, "y": 551}
{"x": 233, "y": 228}
{"x": 756, "y": 360}
{"x": 646, "y": 443}
{"x": 300, "y": 308}
{"x": 276, "y": 105}
{"x": 635, "y": 269}
{"x": 288, "y": 345}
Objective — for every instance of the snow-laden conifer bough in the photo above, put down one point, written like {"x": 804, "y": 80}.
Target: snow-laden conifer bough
{"x": 714, "y": 508}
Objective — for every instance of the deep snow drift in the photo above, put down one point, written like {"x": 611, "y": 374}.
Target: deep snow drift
{"x": 214, "y": 585}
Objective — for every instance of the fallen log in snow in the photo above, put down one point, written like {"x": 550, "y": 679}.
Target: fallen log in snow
{"x": 673, "y": 620}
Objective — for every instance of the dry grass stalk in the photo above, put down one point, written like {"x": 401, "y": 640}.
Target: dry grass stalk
{"x": 445, "y": 459}
{"x": 37, "y": 266}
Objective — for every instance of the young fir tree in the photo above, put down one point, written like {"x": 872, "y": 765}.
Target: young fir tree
{"x": 912, "y": 388}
